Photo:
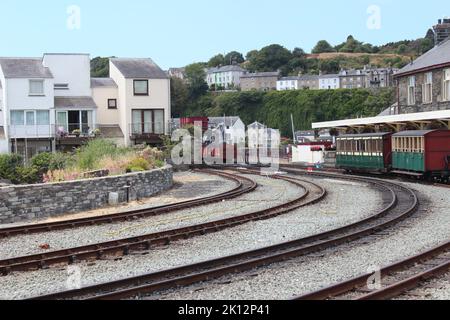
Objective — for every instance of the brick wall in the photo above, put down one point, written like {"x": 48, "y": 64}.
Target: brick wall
{"x": 22, "y": 203}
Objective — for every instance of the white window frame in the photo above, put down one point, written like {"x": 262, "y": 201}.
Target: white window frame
{"x": 38, "y": 94}
{"x": 411, "y": 87}
{"x": 427, "y": 88}
{"x": 446, "y": 85}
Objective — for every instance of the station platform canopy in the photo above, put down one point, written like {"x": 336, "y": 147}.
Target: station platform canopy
{"x": 397, "y": 123}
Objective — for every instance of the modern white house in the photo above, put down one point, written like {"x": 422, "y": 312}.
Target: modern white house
{"x": 51, "y": 103}
{"x": 227, "y": 77}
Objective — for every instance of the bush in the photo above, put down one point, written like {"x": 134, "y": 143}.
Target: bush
{"x": 88, "y": 156}
{"x": 10, "y": 166}
{"x": 138, "y": 164}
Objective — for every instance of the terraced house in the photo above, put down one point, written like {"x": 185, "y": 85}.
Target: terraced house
{"x": 51, "y": 103}
{"x": 424, "y": 85}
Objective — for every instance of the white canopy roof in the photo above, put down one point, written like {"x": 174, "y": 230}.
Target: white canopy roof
{"x": 400, "y": 119}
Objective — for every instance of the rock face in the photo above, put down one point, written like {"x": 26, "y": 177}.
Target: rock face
{"x": 22, "y": 203}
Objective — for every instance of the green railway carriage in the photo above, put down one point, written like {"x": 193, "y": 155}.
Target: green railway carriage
{"x": 364, "y": 152}
{"x": 422, "y": 153}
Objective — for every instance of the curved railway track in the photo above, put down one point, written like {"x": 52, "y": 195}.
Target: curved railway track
{"x": 148, "y": 241}
{"x": 397, "y": 278}
{"x": 404, "y": 202}
{"x": 243, "y": 186}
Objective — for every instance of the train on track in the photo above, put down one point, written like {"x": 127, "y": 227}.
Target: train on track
{"x": 423, "y": 154}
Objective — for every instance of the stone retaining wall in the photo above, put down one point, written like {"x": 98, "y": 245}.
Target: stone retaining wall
{"x": 27, "y": 202}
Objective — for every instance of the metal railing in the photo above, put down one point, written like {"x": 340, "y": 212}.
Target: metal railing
{"x": 74, "y": 130}
{"x": 147, "y": 128}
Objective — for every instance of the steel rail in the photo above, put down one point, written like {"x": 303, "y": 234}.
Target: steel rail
{"x": 213, "y": 269}
{"x": 392, "y": 290}
{"x": 131, "y": 215}
{"x": 144, "y": 242}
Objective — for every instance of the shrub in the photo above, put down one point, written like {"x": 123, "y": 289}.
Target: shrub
{"x": 10, "y": 165}
{"x": 138, "y": 164}
{"x": 88, "y": 156}
{"x": 159, "y": 163}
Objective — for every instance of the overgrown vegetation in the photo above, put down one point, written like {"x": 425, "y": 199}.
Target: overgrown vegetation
{"x": 307, "y": 106}
{"x": 95, "y": 156}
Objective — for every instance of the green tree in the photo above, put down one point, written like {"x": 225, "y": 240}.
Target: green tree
{"x": 196, "y": 75}
{"x": 179, "y": 96}
{"x": 100, "y": 67}
{"x": 270, "y": 58}
{"x": 234, "y": 57}
{"x": 217, "y": 60}
{"x": 322, "y": 46}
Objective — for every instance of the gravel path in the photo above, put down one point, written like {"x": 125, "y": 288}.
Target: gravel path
{"x": 337, "y": 209}
{"x": 429, "y": 228}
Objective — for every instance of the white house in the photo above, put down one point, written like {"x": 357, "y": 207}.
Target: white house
{"x": 329, "y": 81}
{"x": 288, "y": 83}
{"x": 227, "y": 77}
{"x": 51, "y": 103}
{"x": 141, "y": 100}
{"x": 232, "y": 128}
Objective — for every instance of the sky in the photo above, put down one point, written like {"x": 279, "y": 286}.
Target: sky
{"x": 178, "y": 32}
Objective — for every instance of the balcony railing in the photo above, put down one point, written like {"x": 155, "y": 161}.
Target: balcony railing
{"x": 146, "y": 129}
{"x": 58, "y": 131}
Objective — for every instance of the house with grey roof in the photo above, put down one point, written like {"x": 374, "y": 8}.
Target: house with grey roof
{"x": 232, "y": 129}
{"x": 297, "y": 83}
{"x": 137, "y": 98}
{"x": 225, "y": 78}
{"x": 329, "y": 81}
{"x": 260, "y": 81}
{"x": 45, "y": 102}
{"x": 424, "y": 84}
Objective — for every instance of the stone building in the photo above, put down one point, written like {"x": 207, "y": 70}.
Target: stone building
{"x": 424, "y": 85}
{"x": 441, "y": 30}
{"x": 379, "y": 77}
{"x": 351, "y": 79}
{"x": 297, "y": 83}
{"x": 261, "y": 81}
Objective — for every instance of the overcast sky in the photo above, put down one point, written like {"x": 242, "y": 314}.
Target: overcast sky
{"x": 177, "y": 32}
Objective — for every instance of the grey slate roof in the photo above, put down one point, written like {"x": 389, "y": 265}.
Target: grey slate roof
{"x": 328, "y": 76}
{"x": 228, "y": 121}
{"x": 74, "y": 102}
{"x": 226, "y": 69}
{"x": 439, "y": 55}
{"x": 414, "y": 133}
{"x": 261, "y": 75}
{"x": 103, "y": 82}
{"x": 305, "y": 77}
{"x": 112, "y": 131}
{"x": 139, "y": 68}
{"x": 24, "y": 68}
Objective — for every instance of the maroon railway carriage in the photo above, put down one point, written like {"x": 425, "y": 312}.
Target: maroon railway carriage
{"x": 422, "y": 153}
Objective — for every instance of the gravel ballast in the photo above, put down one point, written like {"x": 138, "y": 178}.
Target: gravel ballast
{"x": 427, "y": 229}
{"x": 336, "y": 210}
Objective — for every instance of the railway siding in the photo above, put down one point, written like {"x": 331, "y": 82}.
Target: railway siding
{"x": 27, "y": 202}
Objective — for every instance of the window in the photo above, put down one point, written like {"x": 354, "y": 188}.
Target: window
{"x": 36, "y": 87}
{"x": 446, "y": 89}
{"x": 17, "y": 118}
{"x": 61, "y": 86}
{"x": 29, "y": 117}
{"x": 112, "y": 103}
{"x": 148, "y": 122}
{"x": 42, "y": 118}
{"x": 141, "y": 87}
{"x": 412, "y": 90}
{"x": 427, "y": 88}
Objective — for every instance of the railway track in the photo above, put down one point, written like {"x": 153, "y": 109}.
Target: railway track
{"x": 404, "y": 202}
{"x": 243, "y": 186}
{"x": 146, "y": 242}
{"x": 397, "y": 279}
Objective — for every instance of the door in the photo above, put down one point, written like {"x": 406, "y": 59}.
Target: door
{"x": 62, "y": 123}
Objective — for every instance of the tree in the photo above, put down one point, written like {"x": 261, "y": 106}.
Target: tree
{"x": 196, "y": 75}
{"x": 100, "y": 67}
{"x": 322, "y": 46}
{"x": 270, "y": 58}
{"x": 217, "y": 60}
{"x": 234, "y": 57}
{"x": 179, "y": 96}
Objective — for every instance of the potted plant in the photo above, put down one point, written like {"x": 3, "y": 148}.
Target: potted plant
{"x": 76, "y": 132}
{"x": 97, "y": 132}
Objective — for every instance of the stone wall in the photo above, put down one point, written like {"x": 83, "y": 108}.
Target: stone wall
{"x": 26, "y": 202}
{"x": 437, "y": 103}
